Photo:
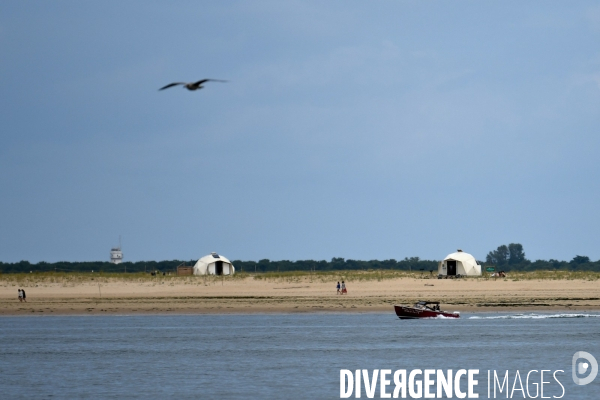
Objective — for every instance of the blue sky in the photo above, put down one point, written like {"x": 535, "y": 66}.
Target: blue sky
{"x": 355, "y": 129}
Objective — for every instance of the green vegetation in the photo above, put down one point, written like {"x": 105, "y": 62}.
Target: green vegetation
{"x": 506, "y": 255}
{"x": 551, "y": 275}
{"x": 74, "y": 278}
{"x": 336, "y": 264}
{"x": 67, "y": 279}
{"x": 510, "y": 258}
{"x": 96, "y": 266}
{"x": 341, "y": 275}
{"x": 380, "y": 275}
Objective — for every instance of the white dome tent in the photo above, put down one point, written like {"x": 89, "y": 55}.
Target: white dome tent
{"x": 213, "y": 264}
{"x": 459, "y": 264}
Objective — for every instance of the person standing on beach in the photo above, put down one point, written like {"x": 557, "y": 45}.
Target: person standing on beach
{"x": 338, "y": 288}
{"x": 20, "y": 296}
{"x": 24, "y": 297}
{"x": 344, "y": 288}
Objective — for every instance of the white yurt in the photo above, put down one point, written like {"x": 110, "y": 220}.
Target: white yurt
{"x": 459, "y": 264}
{"x": 213, "y": 264}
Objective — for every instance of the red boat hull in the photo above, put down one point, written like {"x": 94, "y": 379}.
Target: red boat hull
{"x": 414, "y": 313}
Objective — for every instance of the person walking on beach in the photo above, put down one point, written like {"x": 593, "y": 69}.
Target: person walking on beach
{"x": 338, "y": 288}
{"x": 24, "y": 297}
{"x": 344, "y": 288}
{"x": 20, "y": 296}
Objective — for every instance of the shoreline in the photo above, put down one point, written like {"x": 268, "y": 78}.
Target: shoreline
{"x": 126, "y": 313}
{"x": 170, "y": 296}
{"x": 200, "y": 306}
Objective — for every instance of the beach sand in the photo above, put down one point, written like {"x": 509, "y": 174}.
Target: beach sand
{"x": 195, "y": 295}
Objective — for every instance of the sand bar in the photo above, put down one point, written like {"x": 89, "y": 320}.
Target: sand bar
{"x": 194, "y": 295}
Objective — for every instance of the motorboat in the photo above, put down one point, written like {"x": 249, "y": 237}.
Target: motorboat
{"x": 424, "y": 309}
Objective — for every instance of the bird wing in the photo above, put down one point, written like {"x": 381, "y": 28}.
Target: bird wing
{"x": 171, "y": 85}
{"x": 207, "y": 80}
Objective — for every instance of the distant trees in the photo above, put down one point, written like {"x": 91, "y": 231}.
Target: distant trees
{"x": 498, "y": 257}
{"x": 512, "y": 254}
{"x": 264, "y": 265}
{"x": 508, "y": 257}
{"x": 336, "y": 263}
{"x": 516, "y": 255}
{"x": 577, "y": 260}
{"x": 512, "y": 257}
{"x": 96, "y": 266}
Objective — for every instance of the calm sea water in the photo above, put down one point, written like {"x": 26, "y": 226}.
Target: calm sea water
{"x": 276, "y": 356}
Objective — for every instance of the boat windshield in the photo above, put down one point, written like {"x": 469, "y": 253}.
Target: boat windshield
{"x": 427, "y": 305}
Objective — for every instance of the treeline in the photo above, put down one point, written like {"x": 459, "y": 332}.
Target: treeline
{"x": 517, "y": 263}
{"x": 265, "y": 265}
{"x": 408, "y": 264}
{"x": 96, "y": 266}
{"x": 512, "y": 258}
{"x": 578, "y": 263}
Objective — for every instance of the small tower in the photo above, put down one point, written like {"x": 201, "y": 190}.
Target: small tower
{"x": 116, "y": 255}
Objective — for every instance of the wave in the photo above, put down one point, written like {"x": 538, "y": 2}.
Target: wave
{"x": 443, "y": 317}
{"x": 440, "y": 317}
{"x": 538, "y": 316}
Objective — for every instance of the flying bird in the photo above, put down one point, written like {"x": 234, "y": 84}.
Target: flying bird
{"x": 191, "y": 85}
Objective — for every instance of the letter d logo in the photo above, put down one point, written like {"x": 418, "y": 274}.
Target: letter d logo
{"x": 583, "y": 367}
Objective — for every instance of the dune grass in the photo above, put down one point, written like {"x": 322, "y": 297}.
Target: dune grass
{"x": 333, "y": 276}
{"x": 75, "y": 278}
{"x": 553, "y": 275}
{"x": 380, "y": 275}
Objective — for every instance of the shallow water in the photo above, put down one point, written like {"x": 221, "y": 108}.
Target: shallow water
{"x": 277, "y": 355}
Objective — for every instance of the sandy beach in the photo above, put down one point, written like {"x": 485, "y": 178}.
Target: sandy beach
{"x": 195, "y": 295}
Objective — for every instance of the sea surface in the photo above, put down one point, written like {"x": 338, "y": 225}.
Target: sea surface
{"x": 280, "y": 356}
